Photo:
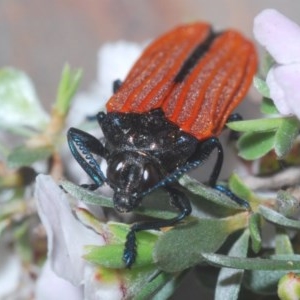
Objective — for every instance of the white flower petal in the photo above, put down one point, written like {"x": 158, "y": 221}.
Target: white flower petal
{"x": 279, "y": 35}
{"x": 66, "y": 235}
{"x": 11, "y": 269}
{"x": 114, "y": 62}
{"x": 285, "y": 79}
{"x": 49, "y": 286}
{"x": 97, "y": 289}
{"x": 277, "y": 93}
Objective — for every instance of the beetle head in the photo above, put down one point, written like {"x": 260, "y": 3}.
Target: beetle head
{"x": 131, "y": 174}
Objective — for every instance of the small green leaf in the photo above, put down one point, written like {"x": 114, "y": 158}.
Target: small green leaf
{"x": 85, "y": 195}
{"x": 20, "y": 106}
{"x": 120, "y": 231}
{"x": 275, "y": 262}
{"x": 208, "y": 193}
{"x": 275, "y": 217}
{"x": 283, "y": 244}
{"x": 4, "y": 224}
{"x": 229, "y": 280}
{"x": 287, "y": 204}
{"x": 257, "y": 125}
{"x": 161, "y": 286}
{"x": 22, "y": 240}
{"x": 237, "y": 186}
{"x": 180, "y": 248}
{"x": 268, "y": 107}
{"x": 266, "y": 64}
{"x": 67, "y": 88}
{"x": 93, "y": 222}
{"x": 26, "y": 156}
{"x": 261, "y": 86}
{"x": 285, "y": 136}
{"x": 262, "y": 282}
{"x": 253, "y": 145}
{"x": 254, "y": 227}
{"x": 110, "y": 256}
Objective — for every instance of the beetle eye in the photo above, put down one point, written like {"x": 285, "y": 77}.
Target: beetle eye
{"x": 114, "y": 171}
{"x": 150, "y": 176}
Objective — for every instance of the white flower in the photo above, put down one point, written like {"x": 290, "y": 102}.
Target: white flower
{"x": 10, "y": 271}
{"x": 67, "y": 237}
{"x": 114, "y": 62}
{"x": 281, "y": 38}
{"x": 49, "y": 286}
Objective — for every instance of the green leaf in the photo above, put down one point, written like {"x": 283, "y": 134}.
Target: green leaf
{"x": 287, "y": 204}
{"x": 120, "y": 231}
{"x": 4, "y": 224}
{"x": 264, "y": 134}
{"x": 169, "y": 288}
{"x": 110, "y": 256}
{"x": 275, "y": 262}
{"x": 85, "y": 195}
{"x": 283, "y": 244}
{"x": 265, "y": 282}
{"x": 208, "y": 193}
{"x": 253, "y": 145}
{"x": 285, "y": 136}
{"x": 26, "y": 156}
{"x": 161, "y": 286}
{"x": 23, "y": 243}
{"x": 276, "y": 218}
{"x": 20, "y": 106}
{"x": 261, "y": 86}
{"x": 229, "y": 280}
{"x": 267, "y": 107}
{"x": 262, "y": 282}
{"x": 266, "y": 64}
{"x": 67, "y": 88}
{"x": 238, "y": 187}
{"x": 254, "y": 227}
{"x": 180, "y": 248}
{"x": 257, "y": 125}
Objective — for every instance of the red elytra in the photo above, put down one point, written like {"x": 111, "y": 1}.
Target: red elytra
{"x": 198, "y": 96}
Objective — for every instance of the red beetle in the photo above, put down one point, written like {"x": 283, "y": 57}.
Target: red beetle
{"x": 164, "y": 119}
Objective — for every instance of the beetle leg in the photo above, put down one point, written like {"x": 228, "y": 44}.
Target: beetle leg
{"x": 234, "y": 117}
{"x": 202, "y": 153}
{"x": 234, "y": 135}
{"x": 179, "y": 200}
{"x": 116, "y": 85}
{"x": 82, "y": 145}
{"x": 205, "y": 150}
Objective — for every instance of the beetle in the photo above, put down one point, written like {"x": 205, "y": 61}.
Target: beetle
{"x": 165, "y": 119}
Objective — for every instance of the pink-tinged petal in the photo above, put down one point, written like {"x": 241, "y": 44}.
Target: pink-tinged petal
{"x": 279, "y": 35}
{"x": 285, "y": 79}
{"x": 277, "y": 93}
{"x": 49, "y": 286}
{"x": 66, "y": 235}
